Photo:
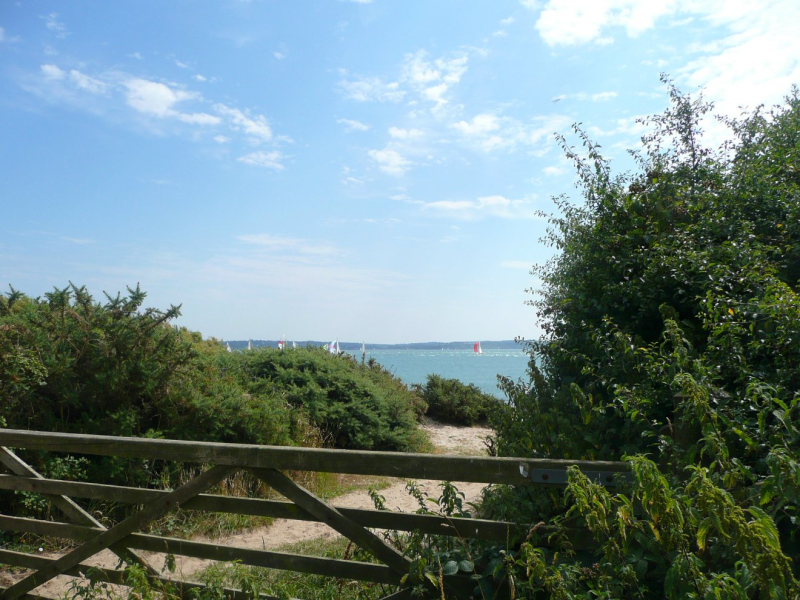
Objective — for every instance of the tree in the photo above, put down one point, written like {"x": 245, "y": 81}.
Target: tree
{"x": 671, "y": 324}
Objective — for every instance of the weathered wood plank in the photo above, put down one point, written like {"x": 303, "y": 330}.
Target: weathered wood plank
{"x": 513, "y": 471}
{"x": 111, "y": 536}
{"x": 68, "y": 506}
{"x": 331, "y": 567}
{"x": 376, "y": 519}
{"x": 256, "y": 558}
{"x": 183, "y": 588}
{"x": 334, "y": 519}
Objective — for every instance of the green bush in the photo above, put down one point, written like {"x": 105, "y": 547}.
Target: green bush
{"x": 671, "y": 322}
{"x": 451, "y": 401}
{"x": 356, "y": 406}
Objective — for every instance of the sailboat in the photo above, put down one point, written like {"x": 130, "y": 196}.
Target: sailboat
{"x": 333, "y": 347}
{"x": 293, "y": 345}
{"x": 280, "y": 342}
{"x": 363, "y": 352}
{"x": 228, "y": 347}
{"x": 476, "y": 349}
{"x": 249, "y": 345}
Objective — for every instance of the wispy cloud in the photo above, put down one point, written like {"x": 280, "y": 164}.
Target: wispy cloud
{"x": 730, "y": 69}
{"x": 596, "y": 97}
{"x": 255, "y": 126}
{"x": 365, "y": 89}
{"x": 158, "y": 99}
{"x": 489, "y": 132}
{"x": 6, "y": 39}
{"x": 390, "y": 161}
{"x": 352, "y": 125}
{"x": 55, "y": 26}
{"x": 285, "y": 245}
{"x": 484, "y": 206}
{"x": 517, "y": 264}
{"x": 399, "y": 133}
{"x": 268, "y": 160}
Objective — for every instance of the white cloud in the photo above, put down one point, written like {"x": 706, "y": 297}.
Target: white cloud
{"x": 181, "y": 65}
{"x": 404, "y": 134}
{"x": 198, "y": 77}
{"x": 158, "y": 100}
{"x": 366, "y": 89}
{"x": 390, "y": 161}
{"x": 135, "y": 55}
{"x": 488, "y": 132}
{"x": 352, "y": 125}
{"x": 8, "y": 40}
{"x": 480, "y": 124}
{"x": 276, "y": 243}
{"x": 500, "y": 33}
{"x": 553, "y": 171}
{"x": 52, "y": 24}
{"x": 85, "y": 82}
{"x": 508, "y": 21}
{"x": 757, "y": 63}
{"x": 52, "y": 72}
{"x": 754, "y": 62}
{"x": 484, "y": 206}
{"x": 568, "y": 22}
{"x": 257, "y": 126}
{"x": 279, "y": 55}
{"x": 269, "y": 160}
{"x": 598, "y": 97}
{"x": 221, "y": 139}
{"x": 151, "y": 97}
{"x": 603, "y": 96}
{"x": 432, "y": 79}
{"x": 517, "y": 264}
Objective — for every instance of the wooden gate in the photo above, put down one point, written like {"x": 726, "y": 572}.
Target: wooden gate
{"x": 266, "y": 464}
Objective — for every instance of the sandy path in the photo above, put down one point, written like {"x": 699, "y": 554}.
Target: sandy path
{"x": 447, "y": 439}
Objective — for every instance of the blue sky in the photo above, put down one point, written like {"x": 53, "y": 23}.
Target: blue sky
{"x": 369, "y": 170}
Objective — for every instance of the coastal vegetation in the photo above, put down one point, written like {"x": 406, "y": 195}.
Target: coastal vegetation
{"x": 671, "y": 323}
{"x": 451, "y": 401}
{"x": 69, "y": 363}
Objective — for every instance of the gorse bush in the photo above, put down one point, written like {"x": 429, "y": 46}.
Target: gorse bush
{"x": 355, "y": 405}
{"x": 71, "y": 364}
{"x": 452, "y": 401}
{"x": 671, "y": 324}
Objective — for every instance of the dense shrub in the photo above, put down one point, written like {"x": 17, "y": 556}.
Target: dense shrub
{"x": 452, "y": 401}
{"x": 71, "y": 364}
{"x": 355, "y": 405}
{"x": 672, "y": 340}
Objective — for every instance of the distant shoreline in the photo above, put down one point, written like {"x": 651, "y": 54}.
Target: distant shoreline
{"x": 356, "y": 346}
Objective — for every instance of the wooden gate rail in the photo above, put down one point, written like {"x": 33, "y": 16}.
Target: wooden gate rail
{"x": 266, "y": 464}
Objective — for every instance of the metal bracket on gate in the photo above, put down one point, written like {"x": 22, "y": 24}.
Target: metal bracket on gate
{"x": 559, "y": 477}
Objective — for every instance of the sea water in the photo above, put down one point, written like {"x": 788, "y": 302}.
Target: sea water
{"x": 414, "y": 366}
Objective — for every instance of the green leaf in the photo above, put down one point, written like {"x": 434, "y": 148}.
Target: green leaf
{"x": 466, "y": 565}
{"x": 702, "y": 532}
{"x": 767, "y": 526}
{"x": 450, "y": 568}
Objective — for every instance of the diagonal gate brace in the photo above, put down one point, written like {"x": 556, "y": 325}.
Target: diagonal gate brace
{"x": 336, "y": 520}
{"x": 155, "y": 510}
{"x": 69, "y": 507}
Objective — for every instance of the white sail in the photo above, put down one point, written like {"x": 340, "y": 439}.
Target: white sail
{"x": 228, "y": 347}
{"x": 476, "y": 349}
{"x": 249, "y": 345}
